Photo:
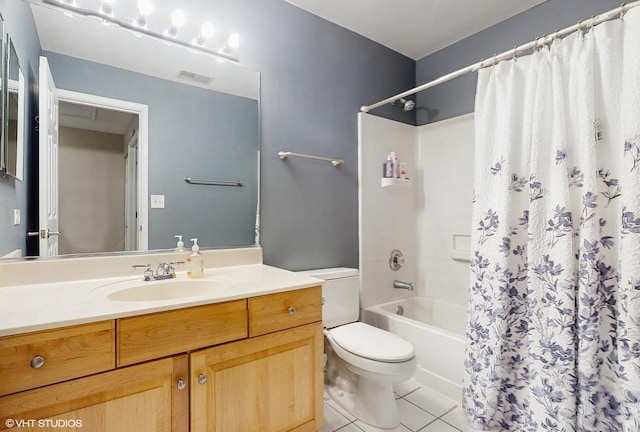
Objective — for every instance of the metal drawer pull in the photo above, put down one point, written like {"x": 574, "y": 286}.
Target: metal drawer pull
{"x": 202, "y": 378}
{"x": 291, "y": 310}
{"x": 181, "y": 384}
{"x": 37, "y": 362}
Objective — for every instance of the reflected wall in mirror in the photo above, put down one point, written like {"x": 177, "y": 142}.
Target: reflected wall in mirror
{"x": 203, "y": 122}
{"x": 14, "y": 119}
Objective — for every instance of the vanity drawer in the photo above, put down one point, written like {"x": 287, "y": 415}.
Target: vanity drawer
{"x": 37, "y": 359}
{"x": 156, "y": 335}
{"x": 280, "y": 311}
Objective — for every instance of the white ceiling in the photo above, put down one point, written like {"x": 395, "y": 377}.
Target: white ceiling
{"x": 415, "y": 28}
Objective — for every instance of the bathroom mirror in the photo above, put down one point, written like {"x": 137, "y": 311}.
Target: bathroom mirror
{"x": 203, "y": 123}
{"x": 14, "y": 115}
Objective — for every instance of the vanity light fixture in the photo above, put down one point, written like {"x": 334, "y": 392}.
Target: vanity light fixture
{"x": 177, "y": 21}
{"x": 206, "y": 31}
{"x": 145, "y": 7}
{"x": 139, "y": 26}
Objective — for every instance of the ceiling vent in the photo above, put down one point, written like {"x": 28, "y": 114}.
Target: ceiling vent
{"x": 192, "y": 76}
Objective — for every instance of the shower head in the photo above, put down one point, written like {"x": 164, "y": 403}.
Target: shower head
{"x": 407, "y": 105}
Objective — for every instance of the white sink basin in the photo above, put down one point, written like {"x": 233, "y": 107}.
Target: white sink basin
{"x": 169, "y": 289}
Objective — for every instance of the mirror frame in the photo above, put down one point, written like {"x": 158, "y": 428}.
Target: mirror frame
{"x": 19, "y": 88}
{"x": 3, "y": 105}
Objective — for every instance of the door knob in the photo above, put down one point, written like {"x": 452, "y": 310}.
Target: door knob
{"x": 44, "y": 234}
{"x": 202, "y": 378}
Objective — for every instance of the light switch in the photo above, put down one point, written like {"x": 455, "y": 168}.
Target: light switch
{"x": 157, "y": 201}
{"x": 16, "y": 216}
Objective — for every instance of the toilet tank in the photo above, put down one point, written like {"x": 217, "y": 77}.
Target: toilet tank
{"x": 340, "y": 295}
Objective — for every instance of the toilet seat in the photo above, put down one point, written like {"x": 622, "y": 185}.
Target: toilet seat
{"x": 372, "y": 343}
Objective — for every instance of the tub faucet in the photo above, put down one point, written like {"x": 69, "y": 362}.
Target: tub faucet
{"x": 403, "y": 285}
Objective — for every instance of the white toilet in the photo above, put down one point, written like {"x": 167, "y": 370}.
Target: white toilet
{"x": 363, "y": 362}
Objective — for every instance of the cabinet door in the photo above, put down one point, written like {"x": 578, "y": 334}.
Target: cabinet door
{"x": 269, "y": 383}
{"x": 137, "y": 398}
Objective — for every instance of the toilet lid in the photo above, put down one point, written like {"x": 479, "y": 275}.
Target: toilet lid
{"x": 371, "y": 342}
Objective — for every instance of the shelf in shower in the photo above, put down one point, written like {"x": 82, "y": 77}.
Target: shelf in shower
{"x": 395, "y": 182}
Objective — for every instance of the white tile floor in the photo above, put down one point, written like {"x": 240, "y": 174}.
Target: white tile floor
{"x": 420, "y": 410}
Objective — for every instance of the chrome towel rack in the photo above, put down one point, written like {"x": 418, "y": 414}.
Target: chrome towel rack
{"x": 236, "y": 183}
{"x": 335, "y": 162}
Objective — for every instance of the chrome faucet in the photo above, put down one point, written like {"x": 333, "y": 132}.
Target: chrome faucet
{"x": 164, "y": 271}
{"x": 403, "y": 285}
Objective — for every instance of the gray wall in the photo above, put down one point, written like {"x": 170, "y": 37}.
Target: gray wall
{"x": 192, "y": 133}
{"x": 13, "y": 194}
{"x": 315, "y": 77}
{"x": 457, "y": 96}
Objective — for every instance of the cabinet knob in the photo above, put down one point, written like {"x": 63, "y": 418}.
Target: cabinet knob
{"x": 291, "y": 310}
{"x": 202, "y": 378}
{"x": 181, "y": 384}
{"x": 37, "y": 362}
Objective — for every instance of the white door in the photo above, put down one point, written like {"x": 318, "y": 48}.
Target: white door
{"x": 131, "y": 196}
{"x": 48, "y": 166}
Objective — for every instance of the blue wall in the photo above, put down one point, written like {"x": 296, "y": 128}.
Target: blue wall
{"x": 457, "y": 96}
{"x": 315, "y": 77}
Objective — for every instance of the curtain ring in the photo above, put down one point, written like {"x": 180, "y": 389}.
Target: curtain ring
{"x": 513, "y": 55}
{"x": 593, "y": 22}
{"x": 622, "y": 5}
{"x": 494, "y": 60}
{"x": 544, "y": 42}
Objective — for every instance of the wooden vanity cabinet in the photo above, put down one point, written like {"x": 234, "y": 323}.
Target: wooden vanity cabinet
{"x": 137, "y": 398}
{"x": 245, "y": 365}
{"x": 36, "y": 359}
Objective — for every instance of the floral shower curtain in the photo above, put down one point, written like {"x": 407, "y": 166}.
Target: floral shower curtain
{"x": 553, "y": 342}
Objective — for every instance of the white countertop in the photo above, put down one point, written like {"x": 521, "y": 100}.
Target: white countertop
{"x": 27, "y": 308}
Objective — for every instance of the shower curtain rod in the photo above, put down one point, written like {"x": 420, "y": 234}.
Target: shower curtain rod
{"x": 512, "y": 53}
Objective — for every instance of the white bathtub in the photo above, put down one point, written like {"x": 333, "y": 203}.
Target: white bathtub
{"x": 437, "y": 332}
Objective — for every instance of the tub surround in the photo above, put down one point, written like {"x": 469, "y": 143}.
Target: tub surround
{"x": 43, "y": 304}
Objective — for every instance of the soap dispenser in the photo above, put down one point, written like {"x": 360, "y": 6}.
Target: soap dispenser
{"x": 195, "y": 262}
{"x": 180, "y": 244}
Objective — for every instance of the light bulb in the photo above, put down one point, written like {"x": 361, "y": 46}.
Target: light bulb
{"x": 145, "y": 7}
{"x": 234, "y": 41}
{"x": 177, "y": 18}
{"x": 144, "y": 10}
{"x": 206, "y": 31}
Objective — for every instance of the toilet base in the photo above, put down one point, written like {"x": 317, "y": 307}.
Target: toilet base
{"x": 372, "y": 402}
